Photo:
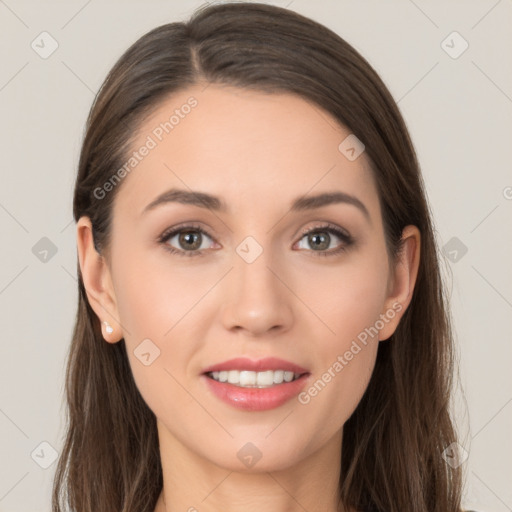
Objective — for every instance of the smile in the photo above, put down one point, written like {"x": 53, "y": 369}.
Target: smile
{"x": 251, "y": 379}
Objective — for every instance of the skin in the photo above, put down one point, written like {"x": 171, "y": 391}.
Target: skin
{"x": 257, "y": 152}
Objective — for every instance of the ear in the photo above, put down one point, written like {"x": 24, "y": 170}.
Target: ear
{"x": 401, "y": 285}
{"x": 97, "y": 282}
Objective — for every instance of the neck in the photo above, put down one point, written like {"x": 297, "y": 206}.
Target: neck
{"x": 193, "y": 484}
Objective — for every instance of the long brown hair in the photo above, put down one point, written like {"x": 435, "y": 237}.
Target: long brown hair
{"x": 393, "y": 443}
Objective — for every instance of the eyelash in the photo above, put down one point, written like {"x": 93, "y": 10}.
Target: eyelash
{"x": 346, "y": 239}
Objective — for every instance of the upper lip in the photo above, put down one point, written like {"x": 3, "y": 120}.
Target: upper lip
{"x": 256, "y": 365}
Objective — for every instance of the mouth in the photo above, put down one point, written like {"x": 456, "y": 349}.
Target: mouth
{"x": 255, "y": 385}
{"x": 252, "y": 379}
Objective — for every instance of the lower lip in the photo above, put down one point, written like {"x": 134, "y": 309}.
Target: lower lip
{"x": 256, "y": 399}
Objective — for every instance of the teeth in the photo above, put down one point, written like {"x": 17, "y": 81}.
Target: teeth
{"x": 233, "y": 376}
{"x": 249, "y": 379}
{"x": 278, "y": 376}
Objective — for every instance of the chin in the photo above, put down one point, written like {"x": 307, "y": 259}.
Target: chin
{"x": 255, "y": 454}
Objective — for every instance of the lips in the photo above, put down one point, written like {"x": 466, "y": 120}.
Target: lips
{"x": 259, "y": 365}
{"x": 255, "y": 398}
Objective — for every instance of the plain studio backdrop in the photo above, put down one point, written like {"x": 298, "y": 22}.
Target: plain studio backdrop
{"x": 447, "y": 65}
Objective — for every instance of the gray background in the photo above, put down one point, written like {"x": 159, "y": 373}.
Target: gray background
{"x": 459, "y": 112}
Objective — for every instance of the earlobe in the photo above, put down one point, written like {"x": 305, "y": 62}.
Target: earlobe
{"x": 97, "y": 282}
{"x": 401, "y": 287}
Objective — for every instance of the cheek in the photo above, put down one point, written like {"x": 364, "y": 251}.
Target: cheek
{"x": 348, "y": 301}
{"x": 333, "y": 395}
{"x": 154, "y": 293}
{"x": 161, "y": 311}
{"x": 345, "y": 357}
{"x": 348, "y": 298}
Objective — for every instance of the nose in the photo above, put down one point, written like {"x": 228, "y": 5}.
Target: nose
{"x": 257, "y": 298}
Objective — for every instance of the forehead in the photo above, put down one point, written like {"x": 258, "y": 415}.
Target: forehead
{"x": 245, "y": 146}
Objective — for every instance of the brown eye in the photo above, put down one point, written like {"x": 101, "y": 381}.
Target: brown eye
{"x": 320, "y": 238}
{"x": 186, "y": 240}
{"x": 190, "y": 240}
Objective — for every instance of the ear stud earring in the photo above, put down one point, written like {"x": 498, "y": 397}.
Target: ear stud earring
{"x": 108, "y": 328}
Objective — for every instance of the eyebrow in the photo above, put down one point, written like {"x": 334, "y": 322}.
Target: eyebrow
{"x": 301, "y": 203}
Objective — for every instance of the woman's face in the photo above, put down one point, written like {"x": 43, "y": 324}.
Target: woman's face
{"x": 244, "y": 279}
